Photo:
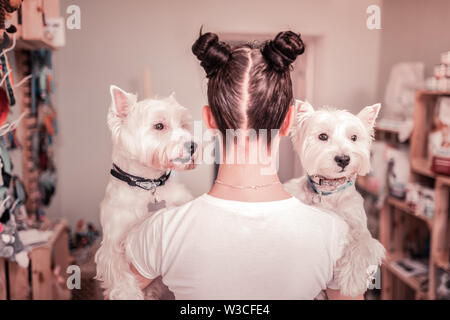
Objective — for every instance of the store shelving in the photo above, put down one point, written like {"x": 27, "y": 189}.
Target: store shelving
{"x": 395, "y": 212}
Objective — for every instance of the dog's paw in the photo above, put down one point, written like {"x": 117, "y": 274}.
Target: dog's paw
{"x": 128, "y": 293}
{"x": 355, "y": 288}
{"x": 356, "y": 266}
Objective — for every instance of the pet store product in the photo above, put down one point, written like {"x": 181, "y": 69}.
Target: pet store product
{"x": 445, "y": 58}
{"x": 443, "y": 84}
{"x": 431, "y": 84}
{"x": 412, "y": 195}
{"x": 11, "y": 246}
{"x": 405, "y": 78}
{"x": 398, "y": 171}
{"x": 420, "y": 199}
{"x": 439, "y": 139}
{"x": 440, "y": 81}
{"x": 425, "y": 206}
{"x": 409, "y": 267}
{"x": 443, "y": 289}
{"x": 379, "y": 167}
{"x": 440, "y": 71}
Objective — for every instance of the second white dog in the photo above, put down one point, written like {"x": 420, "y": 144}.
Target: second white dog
{"x": 150, "y": 138}
{"x": 334, "y": 147}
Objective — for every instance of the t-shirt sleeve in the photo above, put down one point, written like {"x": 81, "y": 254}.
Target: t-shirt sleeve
{"x": 339, "y": 240}
{"x": 143, "y": 246}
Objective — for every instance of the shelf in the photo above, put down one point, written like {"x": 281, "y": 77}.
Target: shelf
{"x": 403, "y": 207}
{"x": 37, "y": 281}
{"x": 441, "y": 260}
{"x": 391, "y": 131}
{"x": 433, "y": 93}
{"x": 421, "y": 166}
{"x": 412, "y": 282}
{"x": 393, "y": 228}
{"x": 444, "y": 180}
{"x": 34, "y": 45}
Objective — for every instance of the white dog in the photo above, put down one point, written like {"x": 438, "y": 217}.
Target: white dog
{"x": 150, "y": 138}
{"x": 334, "y": 147}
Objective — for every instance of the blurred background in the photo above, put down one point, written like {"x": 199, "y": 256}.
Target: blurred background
{"x": 359, "y": 52}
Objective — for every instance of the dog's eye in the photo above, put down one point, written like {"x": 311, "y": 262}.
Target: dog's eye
{"x": 354, "y": 137}
{"x": 159, "y": 126}
{"x": 323, "y": 136}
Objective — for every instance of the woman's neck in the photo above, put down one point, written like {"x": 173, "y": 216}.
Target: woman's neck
{"x": 236, "y": 181}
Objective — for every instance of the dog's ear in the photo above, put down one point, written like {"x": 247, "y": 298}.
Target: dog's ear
{"x": 369, "y": 114}
{"x": 121, "y": 101}
{"x": 302, "y": 108}
{"x": 172, "y": 98}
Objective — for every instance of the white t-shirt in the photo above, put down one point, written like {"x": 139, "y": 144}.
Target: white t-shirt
{"x": 212, "y": 248}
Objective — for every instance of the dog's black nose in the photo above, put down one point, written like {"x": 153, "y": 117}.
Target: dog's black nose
{"x": 191, "y": 147}
{"x": 342, "y": 161}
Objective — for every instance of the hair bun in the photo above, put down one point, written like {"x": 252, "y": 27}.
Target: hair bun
{"x": 282, "y": 51}
{"x": 212, "y": 53}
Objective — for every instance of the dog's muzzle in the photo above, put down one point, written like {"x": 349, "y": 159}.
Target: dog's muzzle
{"x": 190, "y": 147}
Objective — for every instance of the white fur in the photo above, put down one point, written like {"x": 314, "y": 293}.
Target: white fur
{"x": 141, "y": 150}
{"x": 317, "y": 157}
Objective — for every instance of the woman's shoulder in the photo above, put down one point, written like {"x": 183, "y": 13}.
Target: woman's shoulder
{"x": 326, "y": 218}
{"x": 174, "y": 211}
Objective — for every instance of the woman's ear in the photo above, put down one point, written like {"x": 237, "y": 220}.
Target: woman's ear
{"x": 287, "y": 123}
{"x": 208, "y": 117}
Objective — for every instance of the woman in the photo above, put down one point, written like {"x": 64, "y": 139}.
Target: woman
{"x": 247, "y": 238}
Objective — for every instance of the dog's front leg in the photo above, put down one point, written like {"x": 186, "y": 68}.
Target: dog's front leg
{"x": 353, "y": 269}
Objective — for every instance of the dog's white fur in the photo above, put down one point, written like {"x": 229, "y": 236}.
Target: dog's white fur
{"x": 362, "y": 252}
{"x": 140, "y": 149}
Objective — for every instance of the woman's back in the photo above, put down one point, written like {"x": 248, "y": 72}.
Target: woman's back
{"x": 213, "y": 248}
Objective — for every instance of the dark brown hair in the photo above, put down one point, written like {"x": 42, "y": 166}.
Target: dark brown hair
{"x": 248, "y": 86}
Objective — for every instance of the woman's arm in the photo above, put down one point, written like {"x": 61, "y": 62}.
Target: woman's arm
{"x": 336, "y": 295}
{"x": 143, "y": 282}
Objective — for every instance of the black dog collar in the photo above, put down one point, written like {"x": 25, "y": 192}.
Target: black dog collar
{"x": 133, "y": 181}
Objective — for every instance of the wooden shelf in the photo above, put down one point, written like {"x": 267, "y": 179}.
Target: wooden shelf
{"x": 403, "y": 207}
{"x": 36, "y": 281}
{"x": 422, "y": 167}
{"x": 386, "y": 130}
{"x": 413, "y": 282}
{"x": 445, "y": 180}
{"x": 433, "y": 93}
{"x": 441, "y": 260}
{"x": 34, "y": 45}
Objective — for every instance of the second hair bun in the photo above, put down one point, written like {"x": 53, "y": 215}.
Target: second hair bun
{"x": 282, "y": 51}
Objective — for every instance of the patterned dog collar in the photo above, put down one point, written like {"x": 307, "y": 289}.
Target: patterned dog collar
{"x": 325, "y": 187}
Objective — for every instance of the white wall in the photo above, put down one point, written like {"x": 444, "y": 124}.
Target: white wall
{"x": 413, "y": 30}
{"x": 120, "y": 38}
